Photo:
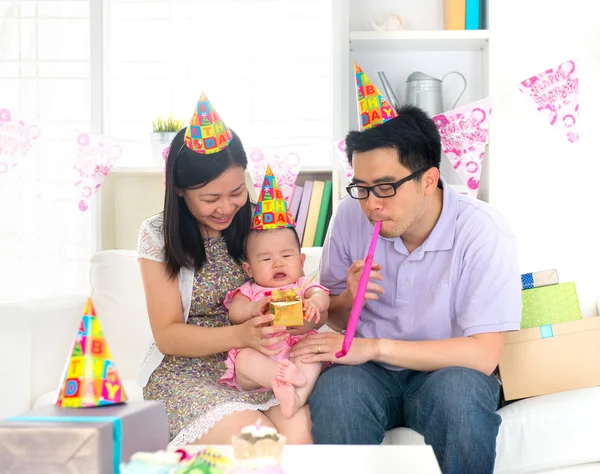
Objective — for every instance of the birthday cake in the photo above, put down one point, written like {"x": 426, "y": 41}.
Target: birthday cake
{"x": 258, "y": 447}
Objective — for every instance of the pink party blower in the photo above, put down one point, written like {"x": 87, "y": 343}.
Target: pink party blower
{"x": 360, "y": 294}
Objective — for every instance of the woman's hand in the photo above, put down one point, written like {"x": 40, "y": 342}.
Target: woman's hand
{"x": 261, "y": 307}
{"x": 352, "y": 279}
{"x": 256, "y": 332}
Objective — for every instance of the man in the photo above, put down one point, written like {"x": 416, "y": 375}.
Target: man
{"x": 444, "y": 288}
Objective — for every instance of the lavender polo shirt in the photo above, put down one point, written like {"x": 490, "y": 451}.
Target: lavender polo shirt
{"x": 463, "y": 280}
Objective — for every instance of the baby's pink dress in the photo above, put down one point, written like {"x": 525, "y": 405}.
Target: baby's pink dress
{"x": 255, "y": 292}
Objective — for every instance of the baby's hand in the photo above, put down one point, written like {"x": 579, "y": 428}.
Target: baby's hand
{"x": 310, "y": 311}
{"x": 261, "y": 307}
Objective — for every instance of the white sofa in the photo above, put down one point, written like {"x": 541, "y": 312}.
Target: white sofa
{"x": 557, "y": 433}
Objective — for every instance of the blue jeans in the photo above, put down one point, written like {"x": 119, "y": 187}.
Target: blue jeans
{"x": 453, "y": 408}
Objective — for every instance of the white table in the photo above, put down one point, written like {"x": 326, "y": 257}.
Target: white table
{"x": 345, "y": 459}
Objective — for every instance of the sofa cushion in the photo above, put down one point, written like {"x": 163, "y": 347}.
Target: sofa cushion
{"x": 550, "y": 431}
{"x": 118, "y": 296}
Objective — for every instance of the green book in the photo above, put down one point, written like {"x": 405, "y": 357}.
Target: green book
{"x": 322, "y": 222}
{"x": 550, "y": 305}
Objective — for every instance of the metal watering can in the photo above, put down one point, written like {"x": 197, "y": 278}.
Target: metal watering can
{"x": 426, "y": 92}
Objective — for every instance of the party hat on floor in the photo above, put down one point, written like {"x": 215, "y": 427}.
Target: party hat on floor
{"x": 91, "y": 377}
{"x": 206, "y": 133}
{"x": 271, "y": 209}
{"x": 373, "y": 109}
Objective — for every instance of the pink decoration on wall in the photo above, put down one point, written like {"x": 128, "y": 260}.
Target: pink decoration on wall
{"x": 96, "y": 156}
{"x": 340, "y": 149}
{"x": 16, "y": 140}
{"x": 285, "y": 164}
{"x": 556, "y": 94}
{"x": 464, "y": 133}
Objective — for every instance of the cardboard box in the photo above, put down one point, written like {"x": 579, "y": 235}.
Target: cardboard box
{"x": 81, "y": 440}
{"x": 550, "y": 305}
{"x": 287, "y": 313}
{"x": 537, "y": 279}
{"x": 551, "y": 358}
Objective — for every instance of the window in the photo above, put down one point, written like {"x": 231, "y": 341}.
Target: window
{"x": 267, "y": 65}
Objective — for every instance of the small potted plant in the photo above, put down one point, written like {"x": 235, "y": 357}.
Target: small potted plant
{"x": 163, "y": 132}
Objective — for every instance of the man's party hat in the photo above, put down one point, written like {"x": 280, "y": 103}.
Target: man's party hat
{"x": 91, "y": 378}
{"x": 206, "y": 132}
{"x": 271, "y": 209}
{"x": 373, "y": 109}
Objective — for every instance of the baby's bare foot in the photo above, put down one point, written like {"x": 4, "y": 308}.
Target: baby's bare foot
{"x": 286, "y": 394}
{"x": 288, "y": 372}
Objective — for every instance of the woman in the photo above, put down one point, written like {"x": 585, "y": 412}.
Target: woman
{"x": 190, "y": 257}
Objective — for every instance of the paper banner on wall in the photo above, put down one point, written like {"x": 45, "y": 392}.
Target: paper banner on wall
{"x": 95, "y": 157}
{"x": 284, "y": 162}
{"x": 464, "y": 133}
{"x": 91, "y": 378}
{"x": 17, "y": 137}
{"x": 340, "y": 152}
{"x": 556, "y": 94}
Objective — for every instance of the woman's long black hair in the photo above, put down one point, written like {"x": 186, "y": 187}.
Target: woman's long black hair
{"x": 186, "y": 169}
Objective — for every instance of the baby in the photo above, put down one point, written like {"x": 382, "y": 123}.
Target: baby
{"x": 274, "y": 261}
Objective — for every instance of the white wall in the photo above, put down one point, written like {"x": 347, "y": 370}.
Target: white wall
{"x": 547, "y": 187}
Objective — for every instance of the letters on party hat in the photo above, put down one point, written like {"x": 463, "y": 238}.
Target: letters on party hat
{"x": 271, "y": 209}
{"x": 206, "y": 132}
{"x": 91, "y": 378}
{"x": 373, "y": 109}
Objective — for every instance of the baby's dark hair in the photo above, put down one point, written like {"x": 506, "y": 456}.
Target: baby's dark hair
{"x": 260, "y": 231}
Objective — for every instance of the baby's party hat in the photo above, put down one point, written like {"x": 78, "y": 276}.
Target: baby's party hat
{"x": 206, "y": 132}
{"x": 373, "y": 109}
{"x": 91, "y": 377}
{"x": 271, "y": 209}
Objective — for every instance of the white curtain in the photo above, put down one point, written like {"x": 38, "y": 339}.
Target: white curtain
{"x": 44, "y": 78}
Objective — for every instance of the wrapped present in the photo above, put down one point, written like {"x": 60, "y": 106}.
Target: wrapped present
{"x": 87, "y": 441}
{"x": 551, "y": 358}
{"x": 286, "y": 306}
{"x": 537, "y": 279}
{"x": 550, "y": 305}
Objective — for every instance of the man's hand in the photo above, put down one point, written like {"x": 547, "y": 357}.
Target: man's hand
{"x": 352, "y": 279}
{"x": 322, "y": 347}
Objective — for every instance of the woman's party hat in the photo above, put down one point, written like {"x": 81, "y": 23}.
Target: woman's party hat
{"x": 206, "y": 132}
{"x": 271, "y": 209}
{"x": 373, "y": 109}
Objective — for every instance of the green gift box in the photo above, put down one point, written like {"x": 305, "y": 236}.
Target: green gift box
{"x": 550, "y": 305}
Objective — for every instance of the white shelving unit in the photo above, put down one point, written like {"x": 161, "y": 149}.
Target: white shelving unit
{"x": 424, "y": 47}
{"x": 432, "y": 40}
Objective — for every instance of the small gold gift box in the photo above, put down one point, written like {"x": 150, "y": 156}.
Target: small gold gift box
{"x": 287, "y": 308}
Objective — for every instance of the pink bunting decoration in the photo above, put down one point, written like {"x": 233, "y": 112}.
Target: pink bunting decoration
{"x": 556, "y": 94}
{"x": 464, "y": 133}
{"x": 285, "y": 165}
{"x": 96, "y": 156}
{"x": 340, "y": 151}
{"x": 16, "y": 140}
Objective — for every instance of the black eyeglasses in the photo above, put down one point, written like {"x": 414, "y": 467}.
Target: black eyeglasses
{"x": 385, "y": 190}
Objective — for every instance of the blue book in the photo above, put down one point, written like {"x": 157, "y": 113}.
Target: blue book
{"x": 472, "y": 15}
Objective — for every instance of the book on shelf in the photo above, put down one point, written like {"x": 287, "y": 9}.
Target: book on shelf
{"x": 303, "y": 209}
{"x": 324, "y": 214}
{"x": 312, "y": 218}
{"x": 454, "y": 14}
{"x": 472, "y": 14}
{"x": 295, "y": 203}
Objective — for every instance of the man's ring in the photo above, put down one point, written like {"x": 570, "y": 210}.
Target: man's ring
{"x": 318, "y": 349}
